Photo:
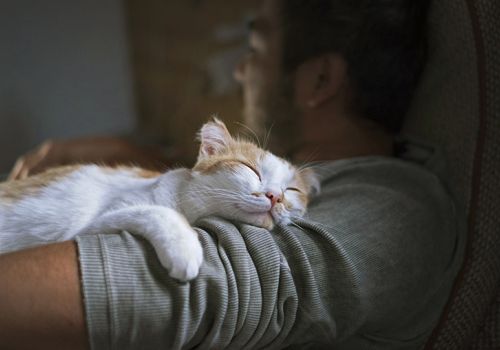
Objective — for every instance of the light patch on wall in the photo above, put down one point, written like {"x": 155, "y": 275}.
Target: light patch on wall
{"x": 220, "y": 66}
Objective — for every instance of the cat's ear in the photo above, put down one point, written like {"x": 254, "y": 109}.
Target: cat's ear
{"x": 214, "y": 138}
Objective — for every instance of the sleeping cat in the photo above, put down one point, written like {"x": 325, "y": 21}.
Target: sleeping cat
{"x": 233, "y": 179}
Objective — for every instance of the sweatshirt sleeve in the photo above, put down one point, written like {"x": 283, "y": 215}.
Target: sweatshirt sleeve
{"x": 249, "y": 294}
{"x": 370, "y": 268}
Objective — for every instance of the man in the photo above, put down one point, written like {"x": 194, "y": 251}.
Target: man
{"x": 369, "y": 268}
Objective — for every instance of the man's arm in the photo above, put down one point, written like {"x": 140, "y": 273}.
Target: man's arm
{"x": 372, "y": 266}
{"x": 40, "y": 299}
{"x": 107, "y": 150}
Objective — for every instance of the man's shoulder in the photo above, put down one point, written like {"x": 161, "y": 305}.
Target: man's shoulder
{"x": 384, "y": 202}
{"x": 396, "y": 224}
{"x": 367, "y": 181}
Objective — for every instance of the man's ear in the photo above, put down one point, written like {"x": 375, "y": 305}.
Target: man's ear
{"x": 320, "y": 79}
{"x": 214, "y": 137}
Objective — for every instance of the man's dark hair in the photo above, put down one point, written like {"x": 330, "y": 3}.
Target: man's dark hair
{"x": 383, "y": 42}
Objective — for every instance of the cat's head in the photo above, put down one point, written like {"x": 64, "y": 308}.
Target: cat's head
{"x": 236, "y": 179}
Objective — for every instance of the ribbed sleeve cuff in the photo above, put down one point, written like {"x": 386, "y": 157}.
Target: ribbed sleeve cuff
{"x": 95, "y": 290}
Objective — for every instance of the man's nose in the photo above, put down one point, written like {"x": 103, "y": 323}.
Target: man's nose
{"x": 274, "y": 197}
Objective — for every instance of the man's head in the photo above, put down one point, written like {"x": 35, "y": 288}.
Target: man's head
{"x": 354, "y": 57}
{"x": 382, "y": 43}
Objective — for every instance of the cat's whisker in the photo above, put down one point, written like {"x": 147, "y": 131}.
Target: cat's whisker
{"x": 293, "y": 223}
{"x": 226, "y": 200}
{"x": 212, "y": 189}
{"x": 232, "y": 196}
{"x": 310, "y": 157}
{"x": 252, "y": 132}
{"x": 222, "y": 196}
{"x": 319, "y": 169}
{"x": 268, "y": 136}
{"x": 209, "y": 191}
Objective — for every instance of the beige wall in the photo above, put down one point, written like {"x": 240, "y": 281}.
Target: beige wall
{"x": 183, "y": 53}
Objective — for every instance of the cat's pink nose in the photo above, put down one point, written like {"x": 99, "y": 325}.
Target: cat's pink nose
{"x": 274, "y": 197}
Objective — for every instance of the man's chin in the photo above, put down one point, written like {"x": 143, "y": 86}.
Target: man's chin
{"x": 273, "y": 118}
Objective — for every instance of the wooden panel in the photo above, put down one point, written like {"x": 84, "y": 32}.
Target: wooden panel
{"x": 174, "y": 44}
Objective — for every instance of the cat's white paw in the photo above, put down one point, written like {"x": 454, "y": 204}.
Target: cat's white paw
{"x": 182, "y": 256}
{"x": 187, "y": 268}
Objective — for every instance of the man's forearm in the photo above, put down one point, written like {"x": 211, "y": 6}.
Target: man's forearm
{"x": 40, "y": 299}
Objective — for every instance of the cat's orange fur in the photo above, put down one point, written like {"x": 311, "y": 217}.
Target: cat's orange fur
{"x": 248, "y": 153}
{"x": 15, "y": 190}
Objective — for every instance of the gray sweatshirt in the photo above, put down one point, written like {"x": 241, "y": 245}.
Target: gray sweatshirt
{"x": 369, "y": 267}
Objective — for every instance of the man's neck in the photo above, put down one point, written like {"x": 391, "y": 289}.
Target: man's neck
{"x": 337, "y": 136}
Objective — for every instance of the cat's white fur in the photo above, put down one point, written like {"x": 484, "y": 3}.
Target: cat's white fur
{"x": 94, "y": 199}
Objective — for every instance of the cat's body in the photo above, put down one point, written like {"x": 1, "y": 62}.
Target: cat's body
{"x": 232, "y": 179}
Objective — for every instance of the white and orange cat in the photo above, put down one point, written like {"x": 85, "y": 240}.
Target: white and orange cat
{"x": 233, "y": 179}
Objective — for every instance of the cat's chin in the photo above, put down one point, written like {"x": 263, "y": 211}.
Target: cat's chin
{"x": 268, "y": 223}
{"x": 273, "y": 219}
{"x": 264, "y": 220}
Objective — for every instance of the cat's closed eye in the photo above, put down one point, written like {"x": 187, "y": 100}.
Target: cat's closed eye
{"x": 251, "y": 167}
{"x": 295, "y": 189}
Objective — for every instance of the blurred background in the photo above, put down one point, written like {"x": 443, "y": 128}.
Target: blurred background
{"x": 152, "y": 69}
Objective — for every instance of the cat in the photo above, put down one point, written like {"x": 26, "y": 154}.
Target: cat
{"x": 232, "y": 178}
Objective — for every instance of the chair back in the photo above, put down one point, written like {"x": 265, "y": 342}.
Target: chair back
{"x": 457, "y": 106}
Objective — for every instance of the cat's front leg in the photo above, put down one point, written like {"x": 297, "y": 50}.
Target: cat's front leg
{"x": 174, "y": 240}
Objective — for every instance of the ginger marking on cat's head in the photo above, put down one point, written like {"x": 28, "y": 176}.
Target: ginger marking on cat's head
{"x": 238, "y": 180}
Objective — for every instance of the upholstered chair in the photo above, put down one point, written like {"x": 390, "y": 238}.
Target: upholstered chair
{"x": 457, "y": 106}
